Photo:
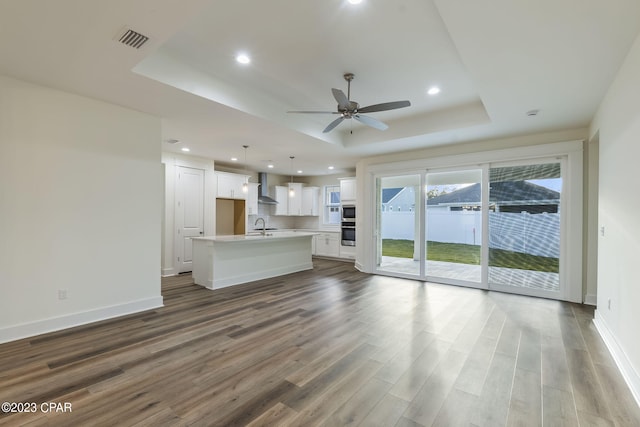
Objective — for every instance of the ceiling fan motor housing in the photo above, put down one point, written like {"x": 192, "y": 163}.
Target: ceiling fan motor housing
{"x": 351, "y": 110}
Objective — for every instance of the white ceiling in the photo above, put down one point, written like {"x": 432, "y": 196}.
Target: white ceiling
{"x": 493, "y": 59}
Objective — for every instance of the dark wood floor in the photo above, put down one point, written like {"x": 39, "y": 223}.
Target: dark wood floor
{"x": 330, "y": 346}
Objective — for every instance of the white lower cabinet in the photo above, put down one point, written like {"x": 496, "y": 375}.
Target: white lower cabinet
{"x": 327, "y": 244}
{"x": 348, "y": 252}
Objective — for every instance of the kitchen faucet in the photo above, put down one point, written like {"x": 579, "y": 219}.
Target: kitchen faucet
{"x": 264, "y": 231}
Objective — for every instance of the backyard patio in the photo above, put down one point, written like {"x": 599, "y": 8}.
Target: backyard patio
{"x": 462, "y": 262}
{"x": 539, "y": 280}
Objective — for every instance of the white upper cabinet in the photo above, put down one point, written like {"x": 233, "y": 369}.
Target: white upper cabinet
{"x": 348, "y": 190}
{"x": 310, "y": 197}
{"x": 295, "y": 199}
{"x": 281, "y": 195}
{"x": 304, "y": 200}
{"x": 252, "y": 199}
{"x": 230, "y": 185}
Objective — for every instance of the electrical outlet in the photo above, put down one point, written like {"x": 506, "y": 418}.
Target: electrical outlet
{"x": 602, "y": 231}
{"x": 62, "y": 294}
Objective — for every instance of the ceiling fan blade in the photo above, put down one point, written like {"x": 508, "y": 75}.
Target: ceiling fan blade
{"x": 369, "y": 121}
{"x": 384, "y": 106}
{"x": 333, "y": 124}
{"x": 343, "y": 101}
{"x": 313, "y": 112}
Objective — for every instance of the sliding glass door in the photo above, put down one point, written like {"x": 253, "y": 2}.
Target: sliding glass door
{"x": 493, "y": 226}
{"x": 454, "y": 227}
{"x": 525, "y": 228}
{"x": 399, "y": 225}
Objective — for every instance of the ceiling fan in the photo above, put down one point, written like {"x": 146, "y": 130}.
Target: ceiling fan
{"x": 351, "y": 110}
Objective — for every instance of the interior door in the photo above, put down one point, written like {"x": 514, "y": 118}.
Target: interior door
{"x": 189, "y": 214}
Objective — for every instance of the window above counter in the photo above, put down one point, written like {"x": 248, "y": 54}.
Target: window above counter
{"x": 331, "y": 205}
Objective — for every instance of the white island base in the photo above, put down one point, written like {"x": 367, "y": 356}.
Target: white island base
{"x": 222, "y": 261}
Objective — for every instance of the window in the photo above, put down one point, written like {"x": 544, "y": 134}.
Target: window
{"x": 331, "y": 211}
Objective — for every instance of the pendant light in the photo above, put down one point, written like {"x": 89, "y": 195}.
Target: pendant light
{"x": 292, "y": 192}
{"x": 245, "y": 186}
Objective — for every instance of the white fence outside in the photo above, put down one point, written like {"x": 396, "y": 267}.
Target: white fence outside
{"x": 537, "y": 234}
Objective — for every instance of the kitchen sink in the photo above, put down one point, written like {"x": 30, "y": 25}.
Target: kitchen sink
{"x": 258, "y": 233}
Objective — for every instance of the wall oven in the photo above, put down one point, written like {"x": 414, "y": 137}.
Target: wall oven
{"x": 348, "y": 225}
{"x": 348, "y": 233}
{"x": 348, "y": 212}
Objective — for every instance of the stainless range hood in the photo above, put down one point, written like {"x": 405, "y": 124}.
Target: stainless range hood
{"x": 263, "y": 192}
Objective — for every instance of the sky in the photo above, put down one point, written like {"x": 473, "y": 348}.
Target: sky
{"x": 551, "y": 183}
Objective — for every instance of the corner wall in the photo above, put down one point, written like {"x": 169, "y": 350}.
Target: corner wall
{"x": 590, "y": 219}
{"x": 80, "y": 212}
{"x": 617, "y": 123}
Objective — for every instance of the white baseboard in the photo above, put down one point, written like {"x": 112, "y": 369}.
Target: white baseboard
{"x": 333, "y": 258}
{"x": 166, "y": 272}
{"x": 38, "y": 327}
{"x": 625, "y": 366}
{"x": 591, "y": 299}
{"x": 359, "y": 267}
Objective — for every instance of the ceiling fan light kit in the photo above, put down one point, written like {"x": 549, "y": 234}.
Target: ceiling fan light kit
{"x": 348, "y": 109}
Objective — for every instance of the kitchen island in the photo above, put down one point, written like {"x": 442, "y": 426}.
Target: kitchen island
{"x": 221, "y": 261}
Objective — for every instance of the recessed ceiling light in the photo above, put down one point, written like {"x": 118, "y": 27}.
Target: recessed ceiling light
{"x": 330, "y": 168}
{"x": 355, "y": 1}
{"x": 243, "y": 58}
{"x": 433, "y": 90}
{"x": 234, "y": 159}
{"x": 299, "y": 171}
{"x": 270, "y": 166}
{"x": 185, "y": 149}
{"x": 531, "y": 113}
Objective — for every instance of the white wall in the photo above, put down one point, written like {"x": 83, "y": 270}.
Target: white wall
{"x": 618, "y": 124}
{"x": 80, "y": 210}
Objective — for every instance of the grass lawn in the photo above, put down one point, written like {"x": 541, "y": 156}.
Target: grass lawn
{"x": 470, "y": 254}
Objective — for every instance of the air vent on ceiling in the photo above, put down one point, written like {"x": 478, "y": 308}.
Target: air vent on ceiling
{"x": 132, "y": 38}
